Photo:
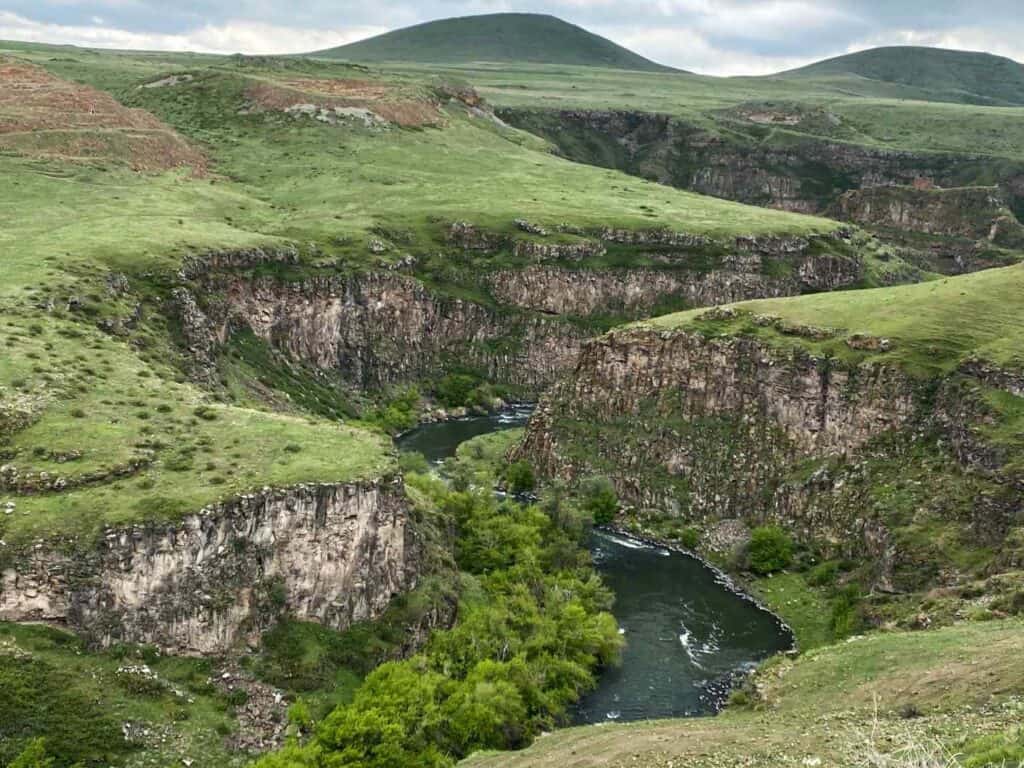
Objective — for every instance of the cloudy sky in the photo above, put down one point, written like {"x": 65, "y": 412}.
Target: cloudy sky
{"x": 713, "y": 36}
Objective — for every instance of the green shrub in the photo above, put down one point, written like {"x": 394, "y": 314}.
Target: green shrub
{"x": 33, "y": 756}
{"x": 528, "y": 640}
{"x": 847, "y": 617}
{"x": 823, "y": 574}
{"x": 412, "y": 461}
{"x": 401, "y": 413}
{"x": 205, "y": 413}
{"x": 455, "y": 389}
{"x": 689, "y": 537}
{"x": 600, "y": 499}
{"x": 770, "y": 550}
{"x": 519, "y": 477}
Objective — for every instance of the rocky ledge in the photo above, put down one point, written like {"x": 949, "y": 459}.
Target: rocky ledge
{"x": 333, "y": 554}
{"x": 712, "y": 428}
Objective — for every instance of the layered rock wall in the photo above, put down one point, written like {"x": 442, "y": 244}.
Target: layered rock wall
{"x": 333, "y": 554}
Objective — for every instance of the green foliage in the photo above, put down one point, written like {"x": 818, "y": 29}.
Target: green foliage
{"x": 519, "y": 477}
{"x": 33, "y": 756}
{"x": 689, "y": 537}
{"x": 454, "y": 390}
{"x": 412, "y": 461}
{"x": 598, "y": 497}
{"x": 527, "y": 641}
{"x": 40, "y": 700}
{"x": 1000, "y": 750}
{"x": 770, "y": 550}
{"x": 398, "y": 414}
{"x": 823, "y": 574}
{"x": 847, "y": 617}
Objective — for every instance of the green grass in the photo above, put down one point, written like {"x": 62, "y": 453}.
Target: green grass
{"x": 805, "y": 609}
{"x": 840, "y": 108}
{"x": 836, "y": 705}
{"x": 934, "y": 326}
{"x": 947, "y": 75}
{"x": 511, "y": 37}
{"x": 97, "y": 408}
{"x": 79, "y": 702}
{"x": 112, "y": 414}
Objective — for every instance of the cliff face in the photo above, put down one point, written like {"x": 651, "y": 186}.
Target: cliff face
{"x": 630, "y": 292}
{"x": 806, "y": 175}
{"x": 383, "y": 329}
{"x": 327, "y": 553}
{"x": 709, "y": 428}
{"x": 388, "y": 328}
{"x": 976, "y": 213}
{"x": 723, "y": 415}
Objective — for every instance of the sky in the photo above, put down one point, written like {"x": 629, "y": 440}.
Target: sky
{"x": 718, "y": 37}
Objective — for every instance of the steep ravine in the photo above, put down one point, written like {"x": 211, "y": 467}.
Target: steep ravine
{"x": 805, "y": 173}
{"x": 520, "y": 324}
{"x": 204, "y": 584}
{"x": 731, "y": 428}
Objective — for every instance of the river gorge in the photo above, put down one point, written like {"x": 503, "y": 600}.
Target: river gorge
{"x": 689, "y": 632}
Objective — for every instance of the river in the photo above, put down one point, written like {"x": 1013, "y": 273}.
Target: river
{"x": 687, "y": 631}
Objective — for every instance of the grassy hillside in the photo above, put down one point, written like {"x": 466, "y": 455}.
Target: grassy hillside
{"x": 841, "y": 108}
{"x": 895, "y": 699}
{"x": 92, "y": 233}
{"x": 127, "y": 706}
{"x": 934, "y": 327}
{"x": 960, "y": 76}
{"x": 508, "y": 37}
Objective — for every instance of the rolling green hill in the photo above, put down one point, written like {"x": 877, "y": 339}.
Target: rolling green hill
{"x": 960, "y": 76}
{"x": 518, "y": 37}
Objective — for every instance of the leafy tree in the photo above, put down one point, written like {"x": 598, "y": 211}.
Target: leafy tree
{"x": 600, "y": 499}
{"x": 532, "y": 629}
{"x": 411, "y": 461}
{"x": 454, "y": 390}
{"x": 33, "y": 756}
{"x": 770, "y": 550}
{"x": 519, "y": 477}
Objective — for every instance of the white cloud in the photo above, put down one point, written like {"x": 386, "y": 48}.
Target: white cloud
{"x": 688, "y": 49}
{"x": 229, "y": 37}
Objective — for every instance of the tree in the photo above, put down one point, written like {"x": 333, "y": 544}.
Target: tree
{"x": 600, "y": 499}
{"x": 519, "y": 477}
{"x": 770, "y": 550}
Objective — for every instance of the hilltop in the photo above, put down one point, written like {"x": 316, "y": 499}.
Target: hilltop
{"x": 500, "y": 37}
{"x": 945, "y": 75}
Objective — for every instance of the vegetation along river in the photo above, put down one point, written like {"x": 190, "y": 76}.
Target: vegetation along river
{"x": 688, "y": 632}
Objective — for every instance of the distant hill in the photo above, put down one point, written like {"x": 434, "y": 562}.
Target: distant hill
{"x": 501, "y": 37}
{"x": 943, "y": 75}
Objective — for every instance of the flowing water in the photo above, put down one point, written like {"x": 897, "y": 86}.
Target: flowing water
{"x": 687, "y": 632}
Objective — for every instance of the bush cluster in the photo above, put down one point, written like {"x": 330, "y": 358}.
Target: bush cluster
{"x": 532, "y": 630}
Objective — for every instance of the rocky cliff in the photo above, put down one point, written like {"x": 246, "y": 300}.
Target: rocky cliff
{"x": 709, "y": 428}
{"x": 805, "y": 172}
{"x": 333, "y": 554}
{"x": 521, "y": 325}
{"x": 382, "y": 329}
{"x": 975, "y": 213}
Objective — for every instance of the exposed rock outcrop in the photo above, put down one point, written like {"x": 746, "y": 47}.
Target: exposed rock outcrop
{"x": 805, "y": 173}
{"x": 629, "y": 292}
{"x": 327, "y": 553}
{"x": 712, "y": 428}
{"x": 975, "y": 213}
{"x": 381, "y": 329}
